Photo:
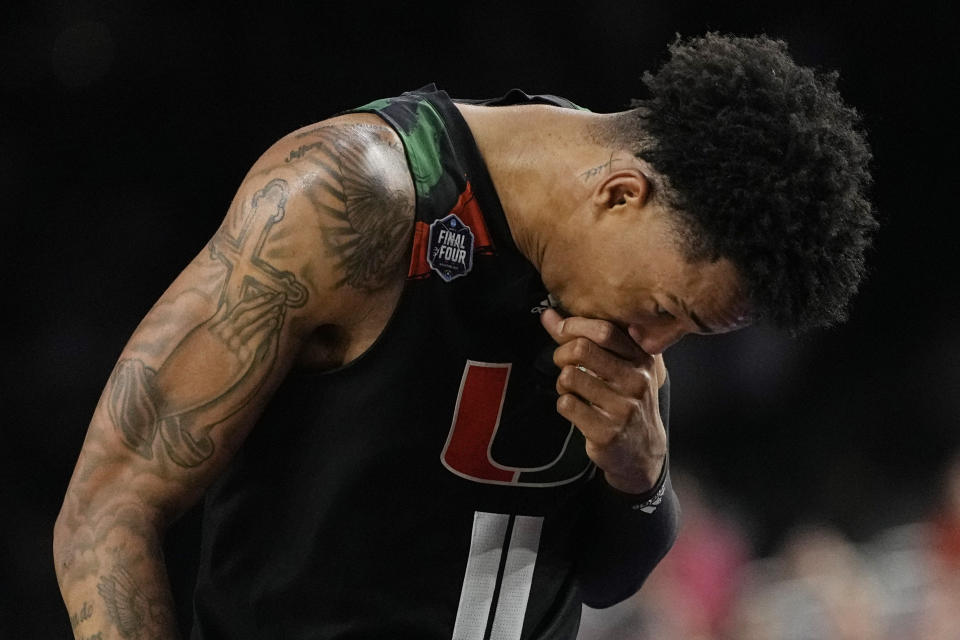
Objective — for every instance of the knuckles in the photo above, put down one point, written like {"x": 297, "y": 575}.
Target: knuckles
{"x": 581, "y": 349}
{"x": 605, "y": 332}
{"x": 626, "y": 413}
{"x": 568, "y": 376}
{"x": 565, "y": 404}
{"x": 640, "y": 382}
{"x": 574, "y": 352}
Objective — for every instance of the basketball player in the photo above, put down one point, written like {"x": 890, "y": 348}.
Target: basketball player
{"x": 417, "y": 371}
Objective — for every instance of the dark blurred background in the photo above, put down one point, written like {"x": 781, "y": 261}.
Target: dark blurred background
{"x": 125, "y": 128}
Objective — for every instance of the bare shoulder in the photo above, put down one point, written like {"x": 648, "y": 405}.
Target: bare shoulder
{"x": 353, "y": 193}
{"x": 313, "y": 243}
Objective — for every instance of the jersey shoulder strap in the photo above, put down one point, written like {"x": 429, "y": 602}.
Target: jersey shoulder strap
{"x": 517, "y": 97}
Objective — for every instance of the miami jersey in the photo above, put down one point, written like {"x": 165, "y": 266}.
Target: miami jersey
{"x": 428, "y": 489}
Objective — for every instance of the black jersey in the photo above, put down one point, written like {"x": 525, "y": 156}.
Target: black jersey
{"x": 428, "y": 489}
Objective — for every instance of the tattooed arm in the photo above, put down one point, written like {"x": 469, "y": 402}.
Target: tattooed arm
{"x": 315, "y": 238}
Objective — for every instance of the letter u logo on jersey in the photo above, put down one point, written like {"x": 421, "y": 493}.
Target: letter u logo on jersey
{"x": 476, "y": 419}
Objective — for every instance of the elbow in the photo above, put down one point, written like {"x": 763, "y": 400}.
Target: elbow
{"x": 91, "y": 520}
{"x": 598, "y": 596}
{"x": 71, "y": 526}
{"x": 61, "y": 537}
{"x": 67, "y": 546}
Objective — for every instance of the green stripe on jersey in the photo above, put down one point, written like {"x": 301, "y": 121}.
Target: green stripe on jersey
{"x": 376, "y": 105}
{"x": 423, "y": 147}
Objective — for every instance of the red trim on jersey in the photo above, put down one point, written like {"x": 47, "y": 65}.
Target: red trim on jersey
{"x": 469, "y": 211}
{"x": 419, "y": 268}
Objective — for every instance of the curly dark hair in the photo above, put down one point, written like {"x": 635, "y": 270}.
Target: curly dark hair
{"x": 766, "y": 166}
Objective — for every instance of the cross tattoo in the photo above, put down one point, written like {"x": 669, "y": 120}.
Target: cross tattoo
{"x": 266, "y": 209}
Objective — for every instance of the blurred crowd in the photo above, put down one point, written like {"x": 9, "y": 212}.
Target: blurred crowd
{"x": 901, "y": 584}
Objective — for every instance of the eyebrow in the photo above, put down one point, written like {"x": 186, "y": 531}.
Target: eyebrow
{"x": 704, "y": 328}
{"x": 693, "y": 316}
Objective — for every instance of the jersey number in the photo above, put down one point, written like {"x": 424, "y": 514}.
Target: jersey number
{"x": 496, "y": 585}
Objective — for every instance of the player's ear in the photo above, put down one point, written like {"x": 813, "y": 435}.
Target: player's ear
{"x": 625, "y": 188}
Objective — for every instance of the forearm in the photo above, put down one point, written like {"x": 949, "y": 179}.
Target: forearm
{"x": 627, "y": 534}
{"x": 110, "y": 568}
{"x": 107, "y": 545}
{"x": 625, "y": 539}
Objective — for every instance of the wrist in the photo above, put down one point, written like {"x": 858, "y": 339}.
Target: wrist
{"x": 639, "y": 484}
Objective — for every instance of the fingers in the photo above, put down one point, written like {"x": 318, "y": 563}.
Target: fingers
{"x": 595, "y": 426}
{"x": 629, "y": 442}
{"x": 629, "y": 378}
{"x": 600, "y": 332}
{"x": 595, "y": 392}
{"x": 583, "y": 352}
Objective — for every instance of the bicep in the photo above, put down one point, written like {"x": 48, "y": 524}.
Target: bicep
{"x": 203, "y": 362}
{"x": 315, "y": 231}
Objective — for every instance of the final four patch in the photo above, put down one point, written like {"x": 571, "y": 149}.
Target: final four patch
{"x": 450, "y": 248}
